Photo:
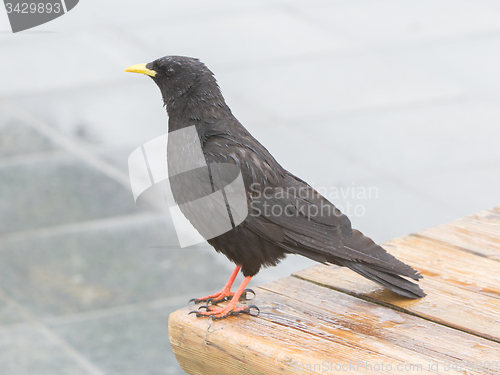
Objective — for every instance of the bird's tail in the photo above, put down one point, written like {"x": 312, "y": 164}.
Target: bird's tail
{"x": 391, "y": 281}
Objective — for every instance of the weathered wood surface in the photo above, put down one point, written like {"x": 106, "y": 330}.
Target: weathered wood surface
{"x": 477, "y": 234}
{"x": 330, "y": 320}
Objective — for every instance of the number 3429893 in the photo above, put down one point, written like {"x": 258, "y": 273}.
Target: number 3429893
{"x": 33, "y": 8}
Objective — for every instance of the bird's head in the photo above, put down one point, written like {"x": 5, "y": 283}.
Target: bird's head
{"x": 180, "y": 77}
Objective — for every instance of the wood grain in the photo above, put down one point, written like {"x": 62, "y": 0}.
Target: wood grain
{"x": 477, "y": 234}
{"x": 448, "y": 264}
{"x": 445, "y": 303}
{"x": 301, "y": 323}
{"x": 328, "y": 319}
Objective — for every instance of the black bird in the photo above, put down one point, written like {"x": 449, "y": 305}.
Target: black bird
{"x": 308, "y": 224}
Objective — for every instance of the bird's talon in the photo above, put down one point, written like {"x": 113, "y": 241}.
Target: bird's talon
{"x": 204, "y": 307}
{"x": 253, "y": 307}
{"x": 195, "y": 312}
{"x": 195, "y": 300}
{"x": 215, "y": 317}
{"x": 238, "y": 312}
{"x": 244, "y": 295}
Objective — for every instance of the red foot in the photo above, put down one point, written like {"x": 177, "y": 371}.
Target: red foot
{"x": 230, "y": 309}
{"x": 223, "y": 295}
{"x": 221, "y": 313}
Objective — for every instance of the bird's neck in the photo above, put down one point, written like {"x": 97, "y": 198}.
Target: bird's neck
{"x": 207, "y": 108}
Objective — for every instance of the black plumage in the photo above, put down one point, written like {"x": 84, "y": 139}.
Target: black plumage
{"x": 192, "y": 97}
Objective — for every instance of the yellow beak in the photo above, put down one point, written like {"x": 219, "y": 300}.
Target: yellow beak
{"x": 141, "y": 68}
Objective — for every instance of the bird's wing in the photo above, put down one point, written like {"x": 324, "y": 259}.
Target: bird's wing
{"x": 312, "y": 226}
{"x": 288, "y": 212}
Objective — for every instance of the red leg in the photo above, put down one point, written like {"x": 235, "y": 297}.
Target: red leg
{"x": 230, "y": 309}
{"x": 224, "y": 294}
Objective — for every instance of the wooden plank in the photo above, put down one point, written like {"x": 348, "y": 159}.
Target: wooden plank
{"x": 303, "y": 324}
{"x": 445, "y": 303}
{"x": 462, "y": 279}
{"x": 478, "y": 234}
{"x": 448, "y": 264}
{"x": 247, "y": 345}
{"x": 308, "y": 323}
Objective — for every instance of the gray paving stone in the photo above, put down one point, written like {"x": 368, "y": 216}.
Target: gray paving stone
{"x": 321, "y": 166}
{"x": 336, "y": 85}
{"x": 4, "y": 23}
{"x": 299, "y": 4}
{"x": 427, "y": 138}
{"x": 125, "y": 344}
{"x": 291, "y": 264}
{"x": 490, "y": 4}
{"x": 123, "y": 114}
{"x": 243, "y": 37}
{"x": 63, "y": 60}
{"x": 384, "y": 209}
{"x": 17, "y": 138}
{"x": 466, "y": 189}
{"x": 383, "y": 22}
{"x": 117, "y": 156}
{"x": 105, "y": 264}
{"x": 470, "y": 62}
{"x": 9, "y": 312}
{"x": 118, "y": 14}
{"x": 57, "y": 190}
{"x": 26, "y": 351}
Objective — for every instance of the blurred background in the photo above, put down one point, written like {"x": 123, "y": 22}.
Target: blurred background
{"x": 391, "y": 108}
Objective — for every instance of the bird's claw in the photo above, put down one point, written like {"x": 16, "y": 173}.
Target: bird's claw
{"x": 245, "y": 310}
{"x": 244, "y": 295}
{"x": 212, "y": 302}
{"x": 217, "y": 314}
{"x": 214, "y": 299}
{"x": 253, "y": 307}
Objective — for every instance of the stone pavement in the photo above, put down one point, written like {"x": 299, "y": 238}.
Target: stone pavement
{"x": 391, "y": 108}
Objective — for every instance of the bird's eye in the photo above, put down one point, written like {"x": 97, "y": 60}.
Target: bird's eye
{"x": 170, "y": 71}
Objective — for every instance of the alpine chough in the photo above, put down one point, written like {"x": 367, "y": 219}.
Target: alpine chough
{"x": 307, "y": 223}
